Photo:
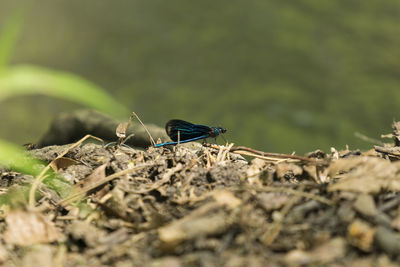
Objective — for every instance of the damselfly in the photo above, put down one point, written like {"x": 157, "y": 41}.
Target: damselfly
{"x": 183, "y": 132}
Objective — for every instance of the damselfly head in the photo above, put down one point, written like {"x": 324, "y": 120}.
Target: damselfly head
{"x": 222, "y": 130}
{"x": 217, "y": 131}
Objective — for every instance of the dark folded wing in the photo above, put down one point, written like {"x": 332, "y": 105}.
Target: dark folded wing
{"x": 186, "y": 130}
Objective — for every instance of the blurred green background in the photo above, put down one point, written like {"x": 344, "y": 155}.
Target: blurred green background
{"x": 281, "y": 76}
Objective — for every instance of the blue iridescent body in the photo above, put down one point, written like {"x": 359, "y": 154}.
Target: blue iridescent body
{"x": 183, "y": 132}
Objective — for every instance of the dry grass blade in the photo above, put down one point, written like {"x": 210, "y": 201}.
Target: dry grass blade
{"x": 368, "y": 139}
{"x": 147, "y": 131}
{"x": 210, "y": 159}
{"x": 270, "y": 159}
{"x": 223, "y": 153}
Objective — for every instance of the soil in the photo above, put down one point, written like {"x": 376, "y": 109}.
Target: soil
{"x": 191, "y": 205}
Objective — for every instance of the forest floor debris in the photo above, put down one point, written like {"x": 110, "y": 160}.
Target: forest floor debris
{"x": 192, "y": 205}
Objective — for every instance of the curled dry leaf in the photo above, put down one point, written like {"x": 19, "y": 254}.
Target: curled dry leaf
{"x": 121, "y": 129}
{"x": 29, "y": 227}
{"x": 62, "y": 163}
{"x": 365, "y": 175}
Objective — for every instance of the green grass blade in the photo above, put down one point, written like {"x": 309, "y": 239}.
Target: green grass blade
{"x": 27, "y": 79}
{"x": 14, "y": 157}
{"x": 8, "y": 38}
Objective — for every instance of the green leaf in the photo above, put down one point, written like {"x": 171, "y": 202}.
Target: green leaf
{"x": 27, "y": 79}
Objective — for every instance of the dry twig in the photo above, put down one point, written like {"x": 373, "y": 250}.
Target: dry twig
{"x": 267, "y": 155}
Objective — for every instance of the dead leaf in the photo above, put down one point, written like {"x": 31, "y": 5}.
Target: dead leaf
{"x": 365, "y": 175}
{"x": 28, "y": 228}
{"x": 86, "y": 184}
{"x": 97, "y": 175}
